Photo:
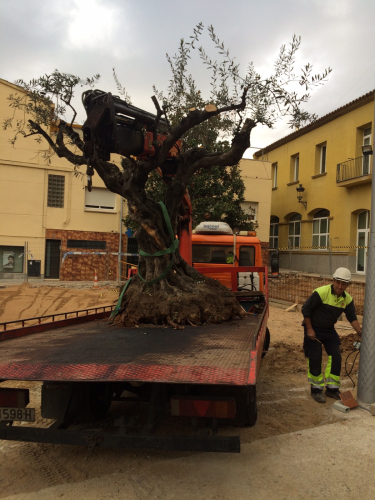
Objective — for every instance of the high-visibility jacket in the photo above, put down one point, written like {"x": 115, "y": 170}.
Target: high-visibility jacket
{"x": 324, "y": 308}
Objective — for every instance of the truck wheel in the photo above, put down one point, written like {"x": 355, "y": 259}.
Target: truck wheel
{"x": 252, "y": 412}
{"x": 246, "y": 402}
{"x": 97, "y": 398}
{"x": 267, "y": 340}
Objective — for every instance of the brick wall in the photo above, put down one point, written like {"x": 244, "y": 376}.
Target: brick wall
{"x": 82, "y": 267}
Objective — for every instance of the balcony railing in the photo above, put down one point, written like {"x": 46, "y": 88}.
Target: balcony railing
{"x": 353, "y": 168}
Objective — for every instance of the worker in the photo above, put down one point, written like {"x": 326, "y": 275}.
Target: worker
{"x": 321, "y": 311}
{"x": 230, "y": 258}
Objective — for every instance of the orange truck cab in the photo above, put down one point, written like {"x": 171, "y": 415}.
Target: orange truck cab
{"x": 215, "y": 245}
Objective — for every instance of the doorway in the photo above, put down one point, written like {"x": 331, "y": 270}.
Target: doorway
{"x": 52, "y": 263}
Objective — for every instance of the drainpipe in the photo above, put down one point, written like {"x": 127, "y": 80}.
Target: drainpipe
{"x": 366, "y": 375}
{"x": 69, "y": 197}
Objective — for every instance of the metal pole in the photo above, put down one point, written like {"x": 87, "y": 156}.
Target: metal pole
{"x": 119, "y": 266}
{"x": 27, "y": 261}
{"x": 107, "y": 275}
{"x": 366, "y": 375}
{"x": 330, "y": 256}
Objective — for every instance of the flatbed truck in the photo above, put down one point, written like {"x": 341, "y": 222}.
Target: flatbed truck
{"x": 205, "y": 374}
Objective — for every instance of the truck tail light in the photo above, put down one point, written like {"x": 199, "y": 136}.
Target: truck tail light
{"x": 186, "y": 406}
{"x": 14, "y": 398}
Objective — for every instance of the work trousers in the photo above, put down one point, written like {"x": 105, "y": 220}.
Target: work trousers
{"x": 328, "y": 338}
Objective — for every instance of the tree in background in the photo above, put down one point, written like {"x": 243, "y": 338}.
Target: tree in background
{"x": 215, "y": 131}
{"x": 216, "y": 194}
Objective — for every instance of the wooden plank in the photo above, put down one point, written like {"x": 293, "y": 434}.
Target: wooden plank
{"x": 291, "y": 308}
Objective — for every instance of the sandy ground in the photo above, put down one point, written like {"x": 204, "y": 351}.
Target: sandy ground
{"x": 297, "y": 448}
{"x": 27, "y": 301}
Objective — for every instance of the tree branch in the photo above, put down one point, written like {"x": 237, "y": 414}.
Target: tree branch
{"x": 193, "y": 119}
{"x": 73, "y": 136}
{"x": 59, "y": 148}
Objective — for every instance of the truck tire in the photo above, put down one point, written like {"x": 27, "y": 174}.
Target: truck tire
{"x": 97, "y": 398}
{"x": 246, "y": 403}
{"x": 267, "y": 340}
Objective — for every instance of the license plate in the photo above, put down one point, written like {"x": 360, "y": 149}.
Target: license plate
{"x": 21, "y": 414}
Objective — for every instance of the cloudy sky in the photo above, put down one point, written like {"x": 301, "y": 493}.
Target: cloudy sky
{"x": 85, "y": 37}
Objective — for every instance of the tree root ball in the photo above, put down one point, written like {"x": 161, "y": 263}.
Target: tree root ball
{"x": 207, "y": 302}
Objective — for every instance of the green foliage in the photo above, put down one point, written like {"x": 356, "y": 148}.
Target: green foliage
{"x": 267, "y": 99}
{"x": 47, "y": 99}
{"x": 216, "y": 194}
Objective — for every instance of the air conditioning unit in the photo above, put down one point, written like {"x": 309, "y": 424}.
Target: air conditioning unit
{"x": 213, "y": 228}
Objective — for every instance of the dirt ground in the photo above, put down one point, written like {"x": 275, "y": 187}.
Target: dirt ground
{"x": 284, "y": 406}
{"x": 26, "y": 301}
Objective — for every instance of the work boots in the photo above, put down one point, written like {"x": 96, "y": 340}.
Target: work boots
{"x": 333, "y": 393}
{"x": 318, "y": 396}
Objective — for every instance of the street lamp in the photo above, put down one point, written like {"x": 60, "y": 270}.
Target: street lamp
{"x": 300, "y": 190}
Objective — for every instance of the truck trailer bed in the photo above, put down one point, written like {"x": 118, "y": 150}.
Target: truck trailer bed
{"x": 225, "y": 354}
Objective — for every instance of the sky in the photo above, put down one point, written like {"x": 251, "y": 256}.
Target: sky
{"x": 86, "y": 37}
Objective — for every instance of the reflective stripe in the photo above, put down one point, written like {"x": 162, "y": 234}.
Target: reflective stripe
{"x": 332, "y": 381}
{"x": 333, "y": 385}
{"x": 315, "y": 381}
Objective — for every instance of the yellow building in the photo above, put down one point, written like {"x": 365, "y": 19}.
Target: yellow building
{"x": 323, "y": 164}
{"x": 48, "y": 213}
{"x": 256, "y": 175}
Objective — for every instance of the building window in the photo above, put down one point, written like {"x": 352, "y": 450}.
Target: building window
{"x": 294, "y": 240}
{"x": 11, "y": 259}
{"x": 251, "y": 209}
{"x": 320, "y": 237}
{"x": 296, "y": 168}
{"x": 323, "y": 156}
{"x": 274, "y": 232}
{"x": 92, "y": 245}
{"x": 56, "y": 188}
{"x": 274, "y": 175}
{"x": 362, "y": 240}
{"x": 366, "y": 159}
{"x": 100, "y": 199}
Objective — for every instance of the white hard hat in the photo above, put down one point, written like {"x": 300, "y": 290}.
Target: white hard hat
{"x": 342, "y": 274}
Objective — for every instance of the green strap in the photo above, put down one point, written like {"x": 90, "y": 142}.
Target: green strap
{"x": 170, "y": 250}
{"x": 116, "y": 310}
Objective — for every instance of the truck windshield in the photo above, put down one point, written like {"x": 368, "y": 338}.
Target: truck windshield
{"x": 213, "y": 254}
{"x": 220, "y": 254}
